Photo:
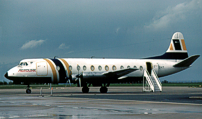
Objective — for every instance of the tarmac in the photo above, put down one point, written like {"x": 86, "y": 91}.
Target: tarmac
{"x": 118, "y": 103}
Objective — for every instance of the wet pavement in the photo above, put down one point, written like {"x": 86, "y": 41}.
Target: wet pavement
{"x": 119, "y": 102}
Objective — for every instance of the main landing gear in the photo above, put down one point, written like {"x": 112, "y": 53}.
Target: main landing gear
{"x": 28, "y": 90}
{"x": 85, "y": 88}
{"x": 103, "y": 89}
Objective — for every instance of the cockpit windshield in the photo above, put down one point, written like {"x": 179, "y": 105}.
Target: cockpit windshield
{"x": 23, "y": 64}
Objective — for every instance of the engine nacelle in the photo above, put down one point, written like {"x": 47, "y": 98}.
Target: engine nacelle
{"x": 86, "y": 76}
{"x": 93, "y": 75}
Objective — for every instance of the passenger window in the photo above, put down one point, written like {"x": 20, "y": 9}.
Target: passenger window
{"x": 78, "y": 67}
{"x": 106, "y": 68}
{"x": 84, "y": 68}
{"x": 70, "y": 67}
{"x": 100, "y": 68}
{"x": 141, "y": 68}
{"x": 92, "y": 68}
{"x": 58, "y": 68}
{"x": 121, "y": 67}
{"x": 114, "y": 67}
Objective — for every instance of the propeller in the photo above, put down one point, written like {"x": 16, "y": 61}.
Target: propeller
{"x": 79, "y": 82}
{"x": 79, "y": 76}
{"x": 69, "y": 82}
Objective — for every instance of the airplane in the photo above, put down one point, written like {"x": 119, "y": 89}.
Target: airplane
{"x": 101, "y": 71}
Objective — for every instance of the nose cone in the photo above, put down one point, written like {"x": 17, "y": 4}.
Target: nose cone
{"x": 6, "y": 75}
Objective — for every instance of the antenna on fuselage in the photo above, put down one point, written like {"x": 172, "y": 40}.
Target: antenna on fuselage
{"x": 92, "y": 57}
{"x": 55, "y": 57}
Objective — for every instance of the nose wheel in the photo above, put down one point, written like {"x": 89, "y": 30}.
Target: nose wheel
{"x": 28, "y": 90}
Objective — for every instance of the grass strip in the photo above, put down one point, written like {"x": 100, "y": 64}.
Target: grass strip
{"x": 36, "y": 86}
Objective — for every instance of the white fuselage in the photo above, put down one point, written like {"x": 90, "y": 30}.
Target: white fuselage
{"x": 30, "y": 70}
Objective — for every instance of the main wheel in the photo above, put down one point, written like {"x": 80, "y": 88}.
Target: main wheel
{"x": 103, "y": 89}
{"x": 85, "y": 89}
{"x": 28, "y": 91}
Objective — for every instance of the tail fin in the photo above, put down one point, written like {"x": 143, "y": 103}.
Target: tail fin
{"x": 177, "y": 46}
{"x": 176, "y": 50}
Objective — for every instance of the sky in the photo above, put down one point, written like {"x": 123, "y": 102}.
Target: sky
{"x": 101, "y": 28}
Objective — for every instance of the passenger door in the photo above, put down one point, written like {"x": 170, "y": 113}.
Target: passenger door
{"x": 42, "y": 69}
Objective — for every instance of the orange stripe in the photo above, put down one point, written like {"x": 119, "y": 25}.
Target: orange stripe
{"x": 53, "y": 70}
{"x": 183, "y": 44}
{"x": 67, "y": 66}
{"x": 171, "y": 46}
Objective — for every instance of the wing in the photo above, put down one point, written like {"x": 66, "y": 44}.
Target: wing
{"x": 120, "y": 74}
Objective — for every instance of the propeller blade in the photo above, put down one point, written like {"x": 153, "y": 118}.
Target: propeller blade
{"x": 79, "y": 82}
{"x": 79, "y": 78}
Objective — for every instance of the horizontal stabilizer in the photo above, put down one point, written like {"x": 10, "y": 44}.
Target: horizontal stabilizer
{"x": 187, "y": 62}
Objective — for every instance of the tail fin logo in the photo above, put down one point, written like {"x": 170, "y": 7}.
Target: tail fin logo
{"x": 177, "y": 43}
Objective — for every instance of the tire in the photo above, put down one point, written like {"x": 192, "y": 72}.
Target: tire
{"x": 85, "y": 89}
{"x": 28, "y": 91}
{"x": 103, "y": 90}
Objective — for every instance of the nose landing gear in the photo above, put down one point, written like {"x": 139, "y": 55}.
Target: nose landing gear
{"x": 28, "y": 90}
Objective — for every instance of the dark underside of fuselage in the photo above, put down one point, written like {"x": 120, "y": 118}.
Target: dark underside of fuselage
{"x": 94, "y": 82}
{"x": 99, "y": 82}
{"x": 30, "y": 80}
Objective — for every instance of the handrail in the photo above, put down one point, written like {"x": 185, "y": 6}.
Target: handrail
{"x": 157, "y": 80}
{"x": 156, "y": 77}
{"x": 151, "y": 84}
{"x": 149, "y": 77}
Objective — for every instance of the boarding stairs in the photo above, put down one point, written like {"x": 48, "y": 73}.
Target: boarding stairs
{"x": 151, "y": 82}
